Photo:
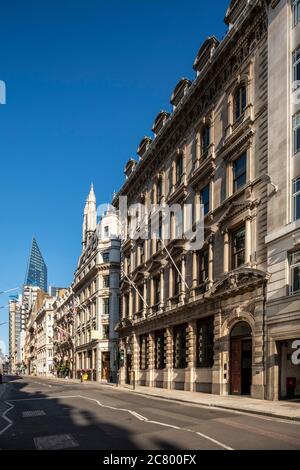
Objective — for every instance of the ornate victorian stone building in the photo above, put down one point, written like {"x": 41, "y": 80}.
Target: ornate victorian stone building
{"x": 96, "y": 288}
{"x": 195, "y": 320}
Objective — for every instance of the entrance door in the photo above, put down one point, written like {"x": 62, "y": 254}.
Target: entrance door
{"x": 105, "y": 369}
{"x": 241, "y": 360}
{"x": 235, "y": 367}
{"x": 128, "y": 369}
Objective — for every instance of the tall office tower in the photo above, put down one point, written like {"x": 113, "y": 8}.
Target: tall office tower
{"x": 36, "y": 274}
{"x": 14, "y": 332}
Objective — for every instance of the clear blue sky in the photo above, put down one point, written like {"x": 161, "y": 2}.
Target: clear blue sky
{"x": 85, "y": 80}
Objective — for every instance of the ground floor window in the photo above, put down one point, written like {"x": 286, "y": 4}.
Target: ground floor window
{"x": 144, "y": 346}
{"x": 180, "y": 347}
{"x": 295, "y": 272}
{"x": 160, "y": 349}
{"x": 205, "y": 342}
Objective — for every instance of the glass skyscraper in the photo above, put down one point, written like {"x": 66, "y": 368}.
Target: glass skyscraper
{"x": 36, "y": 274}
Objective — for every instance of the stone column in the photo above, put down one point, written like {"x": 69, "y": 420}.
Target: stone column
{"x": 197, "y": 206}
{"x": 195, "y": 270}
{"x": 168, "y": 376}
{"x": 135, "y": 365}
{"x": 198, "y": 149}
{"x": 145, "y": 298}
{"x": 210, "y": 262}
{"x": 226, "y": 251}
{"x": 248, "y": 240}
{"x": 273, "y": 370}
{"x": 130, "y": 304}
{"x": 258, "y": 349}
{"x": 162, "y": 289}
{"x": 126, "y": 265}
{"x": 220, "y": 378}
{"x": 173, "y": 174}
{"x": 151, "y": 292}
{"x": 123, "y": 306}
{"x": 170, "y": 285}
{"x": 151, "y": 359}
{"x": 183, "y": 286}
{"x": 172, "y": 226}
{"x": 190, "y": 376}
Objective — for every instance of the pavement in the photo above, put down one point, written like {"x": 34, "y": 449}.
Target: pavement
{"x": 38, "y": 413}
{"x": 280, "y": 409}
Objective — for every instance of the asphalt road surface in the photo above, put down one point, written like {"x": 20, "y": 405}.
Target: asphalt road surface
{"x": 46, "y": 414}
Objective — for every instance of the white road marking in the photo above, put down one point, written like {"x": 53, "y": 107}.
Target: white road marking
{"x": 9, "y": 421}
{"x": 133, "y": 413}
{"x": 203, "y": 406}
{"x": 44, "y": 398}
{"x": 33, "y": 413}
{"x": 146, "y": 420}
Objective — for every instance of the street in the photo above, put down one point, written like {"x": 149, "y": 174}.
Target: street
{"x": 39, "y": 413}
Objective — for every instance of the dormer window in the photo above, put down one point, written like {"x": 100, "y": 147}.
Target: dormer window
{"x": 144, "y": 146}
{"x": 179, "y": 92}
{"x": 240, "y": 102}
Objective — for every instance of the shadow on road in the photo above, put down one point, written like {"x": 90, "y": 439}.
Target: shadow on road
{"x": 55, "y": 423}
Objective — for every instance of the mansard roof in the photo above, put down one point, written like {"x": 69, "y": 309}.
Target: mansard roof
{"x": 205, "y": 52}
{"x": 180, "y": 90}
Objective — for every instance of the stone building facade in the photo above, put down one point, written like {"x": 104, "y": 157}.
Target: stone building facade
{"x": 96, "y": 288}
{"x": 65, "y": 310}
{"x": 44, "y": 339}
{"x": 283, "y": 239}
{"x": 195, "y": 319}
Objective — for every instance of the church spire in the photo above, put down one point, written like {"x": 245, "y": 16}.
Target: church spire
{"x": 89, "y": 216}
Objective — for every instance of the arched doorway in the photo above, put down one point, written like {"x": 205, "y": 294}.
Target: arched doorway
{"x": 241, "y": 359}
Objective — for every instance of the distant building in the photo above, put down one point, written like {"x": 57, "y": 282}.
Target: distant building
{"x": 64, "y": 334}
{"x": 56, "y": 291}
{"x": 15, "y": 325}
{"x": 96, "y": 288}
{"x": 44, "y": 338}
{"x": 36, "y": 274}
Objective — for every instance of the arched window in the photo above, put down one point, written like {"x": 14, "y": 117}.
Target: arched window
{"x": 240, "y": 102}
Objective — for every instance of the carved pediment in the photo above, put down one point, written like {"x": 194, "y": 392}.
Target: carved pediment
{"x": 235, "y": 208}
{"x": 239, "y": 278}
